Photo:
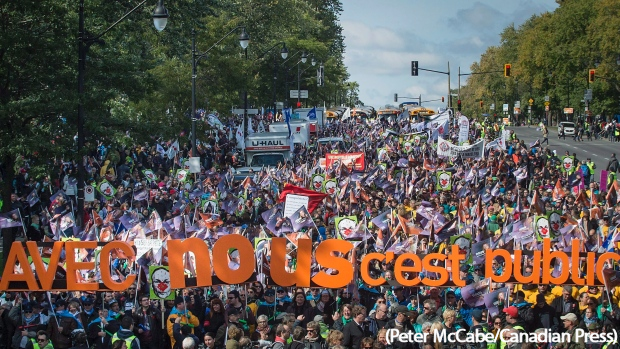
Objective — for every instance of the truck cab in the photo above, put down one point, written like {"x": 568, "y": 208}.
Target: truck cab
{"x": 263, "y": 150}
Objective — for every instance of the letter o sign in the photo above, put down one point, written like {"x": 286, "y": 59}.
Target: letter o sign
{"x": 246, "y": 259}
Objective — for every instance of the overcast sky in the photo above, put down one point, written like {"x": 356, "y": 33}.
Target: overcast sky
{"x": 382, "y": 37}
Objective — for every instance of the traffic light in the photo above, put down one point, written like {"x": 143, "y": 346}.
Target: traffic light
{"x": 298, "y": 104}
{"x": 442, "y": 100}
{"x": 507, "y": 69}
{"x": 414, "y": 68}
{"x": 396, "y": 98}
{"x": 481, "y": 103}
{"x": 591, "y": 74}
{"x": 458, "y": 103}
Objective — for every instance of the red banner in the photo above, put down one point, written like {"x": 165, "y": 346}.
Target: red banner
{"x": 347, "y": 159}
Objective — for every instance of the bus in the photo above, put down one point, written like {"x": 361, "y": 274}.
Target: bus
{"x": 388, "y": 113}
{"x": 407, "y": 105}
{"x": 420, "y": 112}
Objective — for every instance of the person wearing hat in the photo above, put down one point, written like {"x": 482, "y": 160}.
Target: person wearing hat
{"x": 61, "y": 326}
{"x": 545, "y": 315}
{"x": 401, "y": 324}
{"x": 246, "y": 315}
{"x": 570, "y": 322}
{"x": 513, "y": 319}
{"x": 479, "y": 327}
{"x": 26, "y": 323}
{"x": 465, "y": 275}
{"x": 234, "y": 315}
{"x": 88, "y": 313}
{"x": 399, "y": 296}
{"x": 269, "y": 308}
{"x": 326, "y": 307}
{"x": 180, "y": 311}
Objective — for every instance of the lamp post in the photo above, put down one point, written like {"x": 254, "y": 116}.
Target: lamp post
{"x": 85, "y": 40}
{"x": 286, "y": 92}
{"x": 244, "y": 40}
{"x": 304, "y": 58}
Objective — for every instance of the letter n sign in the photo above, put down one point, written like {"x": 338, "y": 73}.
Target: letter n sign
{"x": 414, "y": 68}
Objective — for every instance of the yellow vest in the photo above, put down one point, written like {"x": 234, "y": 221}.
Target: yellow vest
{"x": 502, "y": 341}
{"x": 35, "y": 344}
{"x": 128, "y": 341}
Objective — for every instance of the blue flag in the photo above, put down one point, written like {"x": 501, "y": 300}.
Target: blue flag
{"x": 287, "y": 119}
{"x": 312, "y": 114}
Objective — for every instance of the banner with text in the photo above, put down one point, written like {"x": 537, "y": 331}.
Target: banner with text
{"x": 347, "y": 159}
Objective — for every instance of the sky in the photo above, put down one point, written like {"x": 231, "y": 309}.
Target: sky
{"x": 382, "y": 37}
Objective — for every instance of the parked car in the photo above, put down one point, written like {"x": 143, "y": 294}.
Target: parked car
{"x": 569, "y": 128}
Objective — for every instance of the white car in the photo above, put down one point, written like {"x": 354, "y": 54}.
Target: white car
{"x": 569, "y": 128}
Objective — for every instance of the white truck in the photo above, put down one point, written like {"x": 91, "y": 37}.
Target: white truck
{"x": 320, "y": 116}
{"x": 262, "y": 150}
{"x": 299, "y": 128}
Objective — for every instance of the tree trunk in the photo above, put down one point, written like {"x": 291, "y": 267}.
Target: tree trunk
{"x": 7, "y": 188}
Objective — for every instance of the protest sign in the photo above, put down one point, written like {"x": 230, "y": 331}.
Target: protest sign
{"x": 351, "y": 160}
{"x": 293, "y": 203}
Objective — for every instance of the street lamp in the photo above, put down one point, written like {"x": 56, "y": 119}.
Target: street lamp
{"x": 244, "y": 41}
{"x": 85, "y": 41}
{"x": 283, "y": 54}
{"x": 304, "y": 59}
{"x": 160, "y": 16}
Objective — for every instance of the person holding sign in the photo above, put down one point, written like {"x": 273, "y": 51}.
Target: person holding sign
{"x": 180, "y": 311}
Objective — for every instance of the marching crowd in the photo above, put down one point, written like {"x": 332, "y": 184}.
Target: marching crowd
{"x": 488, "y": 199}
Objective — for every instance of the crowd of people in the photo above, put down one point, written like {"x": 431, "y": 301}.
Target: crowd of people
{"x": 492, "y": 202}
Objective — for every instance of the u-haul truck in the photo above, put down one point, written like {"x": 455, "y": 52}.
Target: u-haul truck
{"x": 263, "y": 150}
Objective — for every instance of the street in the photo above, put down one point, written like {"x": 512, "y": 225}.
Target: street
{"x": 598, "y": 150}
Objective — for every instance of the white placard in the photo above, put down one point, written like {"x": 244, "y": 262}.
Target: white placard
{"x": 89, "y": 193}
{"x": 144, "y": 245}
{"x": 463, "y": 129}
{"x": 194, "y": 165}
{"x": 293, "y": 203}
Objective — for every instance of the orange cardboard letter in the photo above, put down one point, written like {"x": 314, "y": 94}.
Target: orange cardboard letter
{"x": 279, "y": 262}
{"x": 176, "y": 250}
{"x": 18, "y": 255}
{"x": 341, "y": 265}
{"x": 220, "y": 259}
{"x": 399, "y": 269}
{"x": 46, "y": 277}
{"x": 364, "y": 269}
{"x": 104, "y": 266}
{"x": 73, "y": 266}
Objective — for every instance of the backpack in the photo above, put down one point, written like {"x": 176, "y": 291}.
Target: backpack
{"x": 526, "y": 313}
{"x": 614, "y": 165}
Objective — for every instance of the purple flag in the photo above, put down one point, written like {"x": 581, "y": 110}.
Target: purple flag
{"x": 473, "y": 294}
{"x": 382, "y": 220}
{"x": 32, "y": 198}
{"x": 491, "y": 300}
{"x": 10, "y": 219}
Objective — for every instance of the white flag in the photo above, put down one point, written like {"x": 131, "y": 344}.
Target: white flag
{"x": 346, "y": 115}
{"x": 250, "y": 130}
{"x": 174, "y": 149}
{"x": 239, "y": 137}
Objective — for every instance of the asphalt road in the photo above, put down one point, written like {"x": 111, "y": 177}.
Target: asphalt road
{"x": 598, "y": 150}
